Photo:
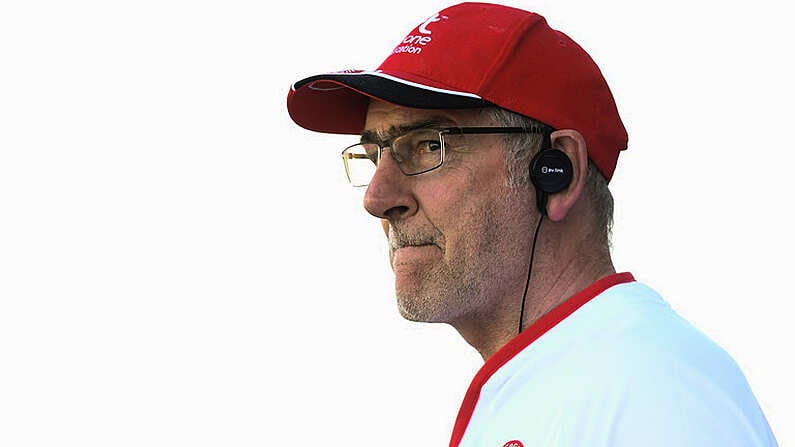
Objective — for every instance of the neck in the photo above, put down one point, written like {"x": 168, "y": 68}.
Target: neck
{"x": 562, "y": 267}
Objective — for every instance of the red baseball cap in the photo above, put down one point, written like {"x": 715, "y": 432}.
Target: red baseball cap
{"x": 475, "y": 55}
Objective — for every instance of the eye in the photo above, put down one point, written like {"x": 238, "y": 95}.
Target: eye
{"x": 428, "y": 146}
{"x": 420, "y": 147}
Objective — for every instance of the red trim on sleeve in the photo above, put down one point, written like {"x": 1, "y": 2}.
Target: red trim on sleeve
{"x": 521, "y": 341}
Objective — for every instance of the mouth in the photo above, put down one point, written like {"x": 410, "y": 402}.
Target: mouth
{"x": 414, "y": 254}
{"x": 415, "y": 248}
{"x": 397, "y": 242}
{"x": 396, "y": 247}
{"x": 416, "y": 244}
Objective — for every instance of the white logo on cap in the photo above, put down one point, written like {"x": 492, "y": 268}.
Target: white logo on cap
{"x": 413, "y": 43}
{"x": 423, "y": 28}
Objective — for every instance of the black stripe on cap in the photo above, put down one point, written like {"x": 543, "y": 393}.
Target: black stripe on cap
{"x": 393, "y": 91}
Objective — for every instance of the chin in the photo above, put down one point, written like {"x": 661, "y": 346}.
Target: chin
{"x": 420, "y": 308}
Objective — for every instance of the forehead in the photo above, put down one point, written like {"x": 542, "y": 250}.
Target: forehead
{"x": 386, "y": 119}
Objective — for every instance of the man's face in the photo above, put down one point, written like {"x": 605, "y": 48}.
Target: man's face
{"x": 458, "y": 235}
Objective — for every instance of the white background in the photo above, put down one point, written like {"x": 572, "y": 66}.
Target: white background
{"x": 181, "y": 265}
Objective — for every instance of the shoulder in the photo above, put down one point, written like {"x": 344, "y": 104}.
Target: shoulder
{"x": 666, "y": 383}
{"x": 626, "y": 369}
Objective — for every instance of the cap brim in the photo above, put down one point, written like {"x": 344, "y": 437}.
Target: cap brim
{"x": 337, "y": 102}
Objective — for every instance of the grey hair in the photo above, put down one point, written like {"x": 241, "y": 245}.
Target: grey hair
{"x": 522, "y": 147}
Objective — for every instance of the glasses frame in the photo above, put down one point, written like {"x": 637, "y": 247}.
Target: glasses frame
{"x": 491, "y": 130}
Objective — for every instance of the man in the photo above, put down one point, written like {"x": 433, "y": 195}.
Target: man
{"x": 487, "y": 142}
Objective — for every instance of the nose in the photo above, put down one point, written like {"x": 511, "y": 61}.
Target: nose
{"x": 389, "y": 195}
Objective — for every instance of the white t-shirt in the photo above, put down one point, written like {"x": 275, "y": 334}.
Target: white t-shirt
{"x": 614, "y": 366}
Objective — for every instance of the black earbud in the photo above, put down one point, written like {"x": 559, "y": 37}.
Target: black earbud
{"x": 550, "y": 171}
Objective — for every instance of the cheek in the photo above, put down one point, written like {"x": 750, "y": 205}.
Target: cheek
{"x": 453, "y": 187}
{"x": 468, "y": 207}
{"x": 470, "y": 221}
{"x": 490, "y": 218}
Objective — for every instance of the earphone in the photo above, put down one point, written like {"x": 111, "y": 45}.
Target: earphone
{"x": 551, "y": 171}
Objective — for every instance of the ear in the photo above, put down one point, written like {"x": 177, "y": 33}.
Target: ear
{"x": 572, "y": 143}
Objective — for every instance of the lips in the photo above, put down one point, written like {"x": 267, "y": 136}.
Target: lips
{"x": 411, "y": 254}
{"x": 398, "y": 241}
{"x": 397, "y": 247}
{"x": 416, "y": 245}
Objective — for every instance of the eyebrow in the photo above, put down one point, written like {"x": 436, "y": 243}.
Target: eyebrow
{"x": 382, "y": 138}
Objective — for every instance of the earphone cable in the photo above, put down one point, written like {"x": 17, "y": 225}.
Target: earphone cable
{"x": 529, "y": 272}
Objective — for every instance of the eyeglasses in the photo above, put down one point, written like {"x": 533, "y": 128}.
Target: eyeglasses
{"x": 416, "y": 152}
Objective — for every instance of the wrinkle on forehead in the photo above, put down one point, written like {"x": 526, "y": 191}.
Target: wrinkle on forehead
{"x": 385, "y": 135}
{"x": 386, "y": 120}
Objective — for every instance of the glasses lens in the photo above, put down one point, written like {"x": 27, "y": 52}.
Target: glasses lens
{"x": 418, "y": 151}
{"x": 360, "y": 161}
